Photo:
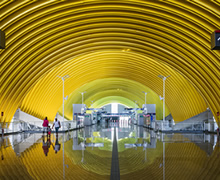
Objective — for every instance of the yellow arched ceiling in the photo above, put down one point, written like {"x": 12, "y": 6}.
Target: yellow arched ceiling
{"x": 113, "y": 90}
{"x": 95, "y": 39}
{"x": 115, "y": 99}
{"x": 182, "y": 98}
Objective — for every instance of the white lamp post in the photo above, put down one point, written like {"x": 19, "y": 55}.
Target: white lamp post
{"x": 163, "y": 98}
{"x": 145, "y": 95}
{"x": 135, "y": 104}
{"x": 92, "y": 103}
{"x": 82, "y": 98}
{"x": 64, "y": 98}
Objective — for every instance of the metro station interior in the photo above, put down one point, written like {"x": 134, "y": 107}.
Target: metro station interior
{"x": 135, "y": 85}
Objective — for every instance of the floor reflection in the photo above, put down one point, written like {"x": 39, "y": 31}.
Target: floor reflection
{"x": 86, "y": 154}
{"x": 169, "y": 156}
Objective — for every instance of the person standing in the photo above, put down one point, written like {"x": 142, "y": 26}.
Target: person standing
{"x": 57, "y": 125}
{"x": 45, "y": 125}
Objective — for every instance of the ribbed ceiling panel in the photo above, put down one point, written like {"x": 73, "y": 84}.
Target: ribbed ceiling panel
{"x": 161, "y": 37}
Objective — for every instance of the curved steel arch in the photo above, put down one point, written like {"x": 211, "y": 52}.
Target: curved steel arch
{"x": 43, "y": 36}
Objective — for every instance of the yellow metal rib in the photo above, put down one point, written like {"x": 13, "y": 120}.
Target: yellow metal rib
{"x": 133, "y": 40}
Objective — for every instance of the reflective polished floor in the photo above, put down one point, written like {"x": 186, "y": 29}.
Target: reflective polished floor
{"x": 87, "y": 154}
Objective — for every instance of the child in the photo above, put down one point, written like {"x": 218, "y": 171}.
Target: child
{"x": 49, "y": 131}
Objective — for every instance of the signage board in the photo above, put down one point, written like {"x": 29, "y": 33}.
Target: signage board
{"x": 215, "y": 40}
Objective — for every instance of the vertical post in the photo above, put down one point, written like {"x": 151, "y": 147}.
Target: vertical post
{"x": 13, "y": 129}
{"x": 63, "y": 79}
{"x": 164, "y": 99}
{"x": 135, "y": 103}
{"x": 82, "y": 100}
{"x": 145, "y": 154}
{"x": 63, "y": 102}
{"x": 63, "y": 159}
{"x": 218, "y": 121}
{"x": 2, "y": 124}
{"x": 82, "y": 104}
{"x": 164, "y": 78}
{"x": 145, "y": 97}
{"x": 208, "y": 113}
{"x": 163, "y": 160}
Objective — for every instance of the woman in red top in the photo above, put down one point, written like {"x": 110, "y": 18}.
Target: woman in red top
{"x": 45, "y": 125}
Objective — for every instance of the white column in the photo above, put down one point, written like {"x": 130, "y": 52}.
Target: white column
{"x": 63, "y": 158}
{"x": 82, "y": 98}
{"x": 63, "y": 79}
{"x": 145, "y": 97}
{"x": 63, "y": 102}
{"x": 82, "y": 104}
{"x": 164, "y": 99}
{"x": 163, "y": 160}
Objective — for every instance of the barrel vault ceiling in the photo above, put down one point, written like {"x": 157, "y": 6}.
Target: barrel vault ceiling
{"x": 123, "y": 45}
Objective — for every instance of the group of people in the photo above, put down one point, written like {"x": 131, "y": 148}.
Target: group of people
{"x": 47, "y": 143}
{"x": 46, "y": 126}
{"x": 47, "y": 129}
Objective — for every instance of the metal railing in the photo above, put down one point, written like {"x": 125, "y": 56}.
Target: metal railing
{"x": 22, "y": 126}
{"x": 197, "y": 126}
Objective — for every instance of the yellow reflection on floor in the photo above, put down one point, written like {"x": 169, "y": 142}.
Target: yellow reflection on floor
{"x": 11, "y": 167}
{"x": 182, "y": 161}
